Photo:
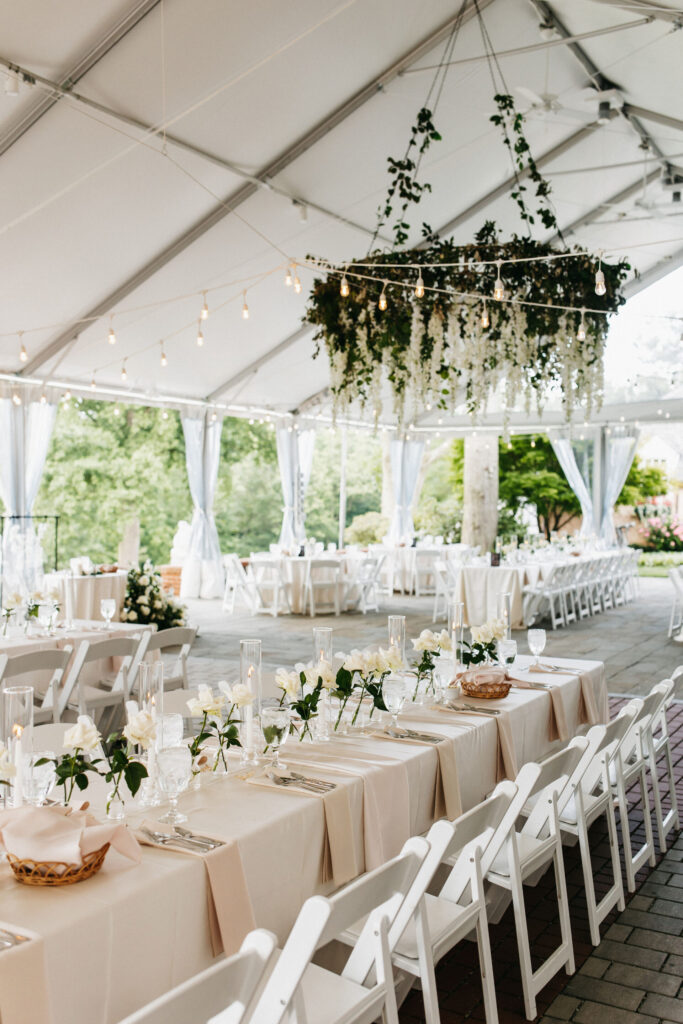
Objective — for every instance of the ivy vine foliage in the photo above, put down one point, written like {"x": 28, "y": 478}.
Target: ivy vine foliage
{"x": 457, "y": 344}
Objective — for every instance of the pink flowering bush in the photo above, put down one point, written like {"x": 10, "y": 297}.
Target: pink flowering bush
{"x": 663, "y": 532}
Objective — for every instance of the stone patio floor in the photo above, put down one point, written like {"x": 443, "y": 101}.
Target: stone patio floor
{"x": 635, "y": 975}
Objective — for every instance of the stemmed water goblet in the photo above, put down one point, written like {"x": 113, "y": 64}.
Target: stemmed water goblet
{"x": 507, "y": 651}
{"x": 107, "y": 609}
{"x": 536, "y": 641}
{"x": 175, "y": 769}
{"x": 39, "y": 778}
{"x": 394, "y": 694}
{"x": 275, "y": 724}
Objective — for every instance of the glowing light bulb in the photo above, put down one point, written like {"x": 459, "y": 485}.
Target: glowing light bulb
{"x": 111, "y": 336}
{"x": 245, "y": 308}
{"x": 288, "y": 277}
{"x": 297, "y": 284}
{"x": 533, "y": 442}
{"x": 93, "y": 385}
{"x": 16, "y": 398}
{"x": 117, "y": 411}
{"x": 163, "y": 360}
{"x": 383, "y": 298}
{"x": 214, "y": 417}
{"x": 581, "y": 333}
{"x": 43, "y": 399}
{"x": 200, "y": 336}
{"x": 124, "y": 375}
{"x": 344, "y": 289}
{"x": 67, "y": 395}
{"x": 419, "y": 288}
{"x": 600, "y": 286}
{"x": 204, "y": 315}
{"x": 485, "y": 316}
{"x": 499, "y": 287}
{"x": 164, "y": 415}
{"x": 23, "y": 354}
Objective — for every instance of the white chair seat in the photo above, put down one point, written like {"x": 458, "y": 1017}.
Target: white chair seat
{"x": 443, "y": 919}
{"x": 530, "y": 851}
{"x": 94, "y": 697}
{"x": 331, "y": 999}
{"x": 592, "y": 803}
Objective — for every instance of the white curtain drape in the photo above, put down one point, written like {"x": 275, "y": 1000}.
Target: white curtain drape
{"x": 295, "y": 459}
{"x": 576, "y": 458}
{"x": 25, "y": 433}
{"x": 202, "y": 574}
{"x": 618, "y": 455}
{"x": 406, "y": 459}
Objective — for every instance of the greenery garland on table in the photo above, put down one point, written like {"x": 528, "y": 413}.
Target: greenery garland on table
{"x": 456, "y": 343}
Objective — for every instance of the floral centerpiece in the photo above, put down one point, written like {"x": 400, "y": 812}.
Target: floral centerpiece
{"x": 9, "y": 606}
{"x": 218, "y": 712}
{"x": 483, "y": 647}
{"x": 430, "y": 645}
{"x": 364, "y": 672}
{"x": 305, "y": 687}
{"x": 147, "y": 602}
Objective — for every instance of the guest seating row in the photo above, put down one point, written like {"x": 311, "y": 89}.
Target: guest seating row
{"x": 574, "y": 591}
{"x": 400, "y": 918}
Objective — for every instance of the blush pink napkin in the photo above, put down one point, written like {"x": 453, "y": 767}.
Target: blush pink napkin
{"x": 51, "y": 834}
{"x": 230, "y": 913}
{"x": 557, "y": 720}
{"x": 447, "y": 800}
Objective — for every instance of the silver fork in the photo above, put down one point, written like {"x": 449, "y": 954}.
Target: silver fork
{"x": 473, "y": 709}
{"x": 163, "y": 839}
{"x": 186, "y": 834}
{"x": 280, "y": 780}
{"x": 327, "y": 786}
{"x": 10, "y": 939}
{"x": 411, "y": 734}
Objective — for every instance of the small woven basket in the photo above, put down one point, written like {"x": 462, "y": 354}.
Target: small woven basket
{"x": 31, "y": 872}
{"x": 489, "y": 684}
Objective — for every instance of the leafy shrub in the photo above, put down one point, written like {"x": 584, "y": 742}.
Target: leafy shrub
{"x": 147, "y": 602}
{"x": 662, "y": 533}
{"x": 666, "y": 559}
{"x": 369, "y": 528}
{"x": 440, "y": 518}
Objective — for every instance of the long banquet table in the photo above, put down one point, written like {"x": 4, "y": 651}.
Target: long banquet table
{"x": 105, "y": 947}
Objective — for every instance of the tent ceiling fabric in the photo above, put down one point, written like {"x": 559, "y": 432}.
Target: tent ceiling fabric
{"x": 87, "y": 202}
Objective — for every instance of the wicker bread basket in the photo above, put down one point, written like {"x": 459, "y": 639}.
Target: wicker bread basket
{"x": 30, "y": 872}
{"x": 488, "y": 684}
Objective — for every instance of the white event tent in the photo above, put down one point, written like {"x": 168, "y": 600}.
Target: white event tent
{"x": 158, "y": 157}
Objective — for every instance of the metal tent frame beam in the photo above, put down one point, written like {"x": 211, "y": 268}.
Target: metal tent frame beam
{"x": 655, "y": 273}
{"x": 254, "y": 367}
{"x": 241, "y": 195}
{"x": 77, "y": 71}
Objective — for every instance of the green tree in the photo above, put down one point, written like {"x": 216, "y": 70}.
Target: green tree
{"x": 642, "y": 482}
{"x": 529, "y": 474}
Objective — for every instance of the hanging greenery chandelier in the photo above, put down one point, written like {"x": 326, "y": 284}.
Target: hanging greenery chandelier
{"x": 445, "y": 325}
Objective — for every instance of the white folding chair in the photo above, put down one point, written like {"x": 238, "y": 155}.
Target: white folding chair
{"x": 365, "y": 988}
{"x": 527, "y": 852}
{"x": 363, "y": 588}
{"x": 104, "y": 700}
{"x": 656, "y": 741}
{"x": 44, "y": 696}
{"x": 323, "y": 579}
{"x": 442, "y": 590}
{"x": 270, "y": 587}
{"x": 422, "y": 578}
{"x": 176, "y": 639}
{"x": 628, "y": 767}
{"x": 237, "y": 584}
{"x": 224, "y": 993}
{"x": 50, "y": 736}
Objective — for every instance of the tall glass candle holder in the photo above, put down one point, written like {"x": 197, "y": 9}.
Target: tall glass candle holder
{"x": 322, "y": 644}
{"x": 151, "y": 700}
{"x": 505, "y": 613}
{"x": 322, "y": 651}
{"x": 250, "y": 676}
{"x": 397, "y": 634}
{"x": 456, "y": 628}
{"x": 18, "y": 735}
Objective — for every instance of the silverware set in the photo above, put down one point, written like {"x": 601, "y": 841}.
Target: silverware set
{"x": 297, "y": 781}
{"x": 474, "y": 709}
{"x": 411, "y": 734}
{"x": 183, "y": 838}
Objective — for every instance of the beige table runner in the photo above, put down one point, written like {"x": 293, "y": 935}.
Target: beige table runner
{"x": 231, "y": 917}
{"x": 23, "y": 970}
{"x": 447, "y": 800}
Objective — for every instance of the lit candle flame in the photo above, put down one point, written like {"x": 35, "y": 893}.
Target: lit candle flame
{"x": 17, "y": 730}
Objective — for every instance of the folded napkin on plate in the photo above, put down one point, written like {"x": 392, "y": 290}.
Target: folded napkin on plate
{"x": 51, "y": 834}
{"x": 231, "y": 916}
{"x": 557, "y": 720}
{"x": 339, "y": 859}
{"x": 447, "y": 800}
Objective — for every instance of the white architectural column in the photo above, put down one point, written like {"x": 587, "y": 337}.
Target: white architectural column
{"x": 202, "y": 574}
{"x": 480, "y": 485}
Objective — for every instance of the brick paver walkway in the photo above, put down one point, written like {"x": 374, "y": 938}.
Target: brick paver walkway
{"x": 632, "y": 977}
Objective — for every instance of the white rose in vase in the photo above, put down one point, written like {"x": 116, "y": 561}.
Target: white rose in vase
{"x": 289, "y": 682}
{"x": 205, "y": 703}
{"x": 141, "y": 729}
{"x": 83, "y": 735}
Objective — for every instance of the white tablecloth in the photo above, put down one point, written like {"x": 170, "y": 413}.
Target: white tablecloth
{"x": 86, "y": 593}
{"x": 109, "y": 945}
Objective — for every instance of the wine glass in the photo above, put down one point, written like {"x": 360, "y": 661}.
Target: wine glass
{"x": 536, "y": 641}
{"x": 507, "y": 651}
{"x": 394, "y": 693}
{"x": 170, "y": 730}
{"x": 45, "y": 613}
{"x": 275, "y": 727}
{"x": 107, "y": 609}
{"x": 38, "y": 779}
{"x": 175, "y": 769}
